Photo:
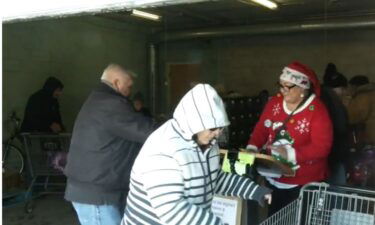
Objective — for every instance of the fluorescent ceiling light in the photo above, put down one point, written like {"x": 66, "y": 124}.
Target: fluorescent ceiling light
{"x": 145, "y": 15}
{"x": 142, "y": 2}
{"x": 266, "y": 3}
{"x": 21, "y": 9}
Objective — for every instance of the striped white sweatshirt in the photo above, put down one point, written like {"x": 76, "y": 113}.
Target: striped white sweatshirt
{"x": 172, "y": 180}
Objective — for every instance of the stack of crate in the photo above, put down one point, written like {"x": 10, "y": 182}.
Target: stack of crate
{"x": 243, "y": 114}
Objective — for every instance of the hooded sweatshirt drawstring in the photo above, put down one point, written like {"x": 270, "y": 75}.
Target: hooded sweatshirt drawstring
{"x": 209, "y": 173}
{"x": 204, "y": 175}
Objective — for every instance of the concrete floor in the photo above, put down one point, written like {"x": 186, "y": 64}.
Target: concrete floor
{"x": 47, "y": 210}
{"x": 54, "y": 210}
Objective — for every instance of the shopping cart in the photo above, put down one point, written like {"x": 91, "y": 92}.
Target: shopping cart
{"x": 322, "y": 204}
{"x": 46, "y": 158}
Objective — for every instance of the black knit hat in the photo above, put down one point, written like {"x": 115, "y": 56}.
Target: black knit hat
{"x": 335, "y": 80}
{"x": 329, "y": 71}
{"x": 359, "y": 80}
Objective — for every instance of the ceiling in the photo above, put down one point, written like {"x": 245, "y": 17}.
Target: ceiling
{"x": 220, "y": 13}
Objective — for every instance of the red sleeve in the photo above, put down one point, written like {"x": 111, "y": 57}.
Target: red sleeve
{"x": 321, "y": 137}
{"x": 260, "y": 133}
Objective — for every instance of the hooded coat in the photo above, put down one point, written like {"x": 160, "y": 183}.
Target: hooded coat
{"x": 172, "y": 180}
{"x": 361, "y": 111}
{"x": 42, "y": 109}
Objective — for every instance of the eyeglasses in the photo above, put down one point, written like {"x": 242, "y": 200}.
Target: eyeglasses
{"x": 218, "y": 128}
{"x": 284, "y": 87}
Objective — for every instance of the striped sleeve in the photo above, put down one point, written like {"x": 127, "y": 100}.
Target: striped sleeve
{"x": 229, "y": 184}
{"x": 164, "y": 184}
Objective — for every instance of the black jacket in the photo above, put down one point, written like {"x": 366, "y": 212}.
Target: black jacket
{"x": 107, "y": 137}
{"x": 42, "y": 108}
{"x": 340, "y": 122}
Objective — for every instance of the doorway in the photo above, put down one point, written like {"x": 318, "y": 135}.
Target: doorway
{"x": 182, "y": 77}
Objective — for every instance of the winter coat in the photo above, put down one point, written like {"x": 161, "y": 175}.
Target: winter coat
{"x": 340, "y": 122}
{"x": 361, "y": 110}
{"x": 107, "y": 137}
{"x": 173, "y": 181}
{"x": 42, "y": 109}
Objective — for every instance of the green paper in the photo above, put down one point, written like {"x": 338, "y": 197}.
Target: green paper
{"x": 226, "y": 165}
{"x": 240, "y": 164}
{"x": 246, "y": 158}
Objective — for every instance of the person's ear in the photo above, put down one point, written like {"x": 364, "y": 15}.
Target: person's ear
{"x": 116, "y": 84}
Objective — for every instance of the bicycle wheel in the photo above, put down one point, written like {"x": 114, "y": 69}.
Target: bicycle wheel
{"x": 13, "y": 160}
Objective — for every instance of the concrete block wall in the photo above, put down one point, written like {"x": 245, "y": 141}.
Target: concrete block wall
{"x": 250, "y": 64}
{"x": 75, "y": 50}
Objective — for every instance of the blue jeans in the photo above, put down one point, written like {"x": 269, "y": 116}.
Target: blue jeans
{"x": 98, "y": 214}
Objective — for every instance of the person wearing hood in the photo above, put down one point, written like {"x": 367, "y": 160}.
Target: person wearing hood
{"x": 177, "y": 172}
{"x": 334, "y": 95}
{"x": 42, "y": 112}
{"x": 295, "y": 125}
{"x": 329, "y": 72}
{"x": 361, "y": 109}
{"x": 356, "y": 82}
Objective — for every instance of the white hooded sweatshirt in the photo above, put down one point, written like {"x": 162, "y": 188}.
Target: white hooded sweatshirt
{"x": 173, "y": 181}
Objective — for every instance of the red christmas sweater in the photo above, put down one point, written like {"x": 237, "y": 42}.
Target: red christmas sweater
{"x": 308, "y": 134}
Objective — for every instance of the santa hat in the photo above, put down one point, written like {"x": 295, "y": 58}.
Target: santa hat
{"x": 302, "y": 76}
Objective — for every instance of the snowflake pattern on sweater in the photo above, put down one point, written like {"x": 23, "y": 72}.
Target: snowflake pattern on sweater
{"x": 276, "y": 109}
{"x": 303, "y": 126}
{"x": 307, "y": 134}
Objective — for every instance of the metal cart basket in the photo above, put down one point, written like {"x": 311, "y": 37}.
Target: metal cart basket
{"x": 46, "y": 158}
{"x": 323, "y": 204}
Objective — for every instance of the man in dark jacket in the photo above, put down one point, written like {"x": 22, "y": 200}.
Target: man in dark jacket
{"x": 107, "y": 137}
{"x": 42, "y": 113}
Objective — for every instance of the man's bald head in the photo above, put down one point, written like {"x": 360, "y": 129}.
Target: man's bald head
{"x": 120, "y": 79}
{"x": 113, "y": 71}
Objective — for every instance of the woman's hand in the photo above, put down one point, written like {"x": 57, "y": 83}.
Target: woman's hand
{"x": 55, "y": 127}
{"x": 268, "y": 198}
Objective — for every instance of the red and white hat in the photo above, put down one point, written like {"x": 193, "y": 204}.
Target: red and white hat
{"x": 302, "y": 76}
